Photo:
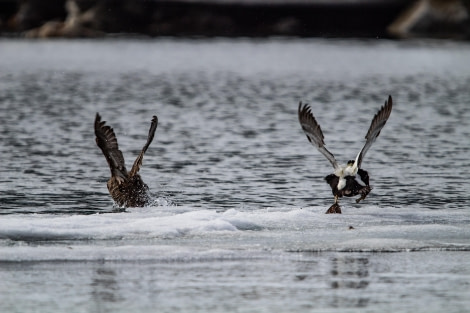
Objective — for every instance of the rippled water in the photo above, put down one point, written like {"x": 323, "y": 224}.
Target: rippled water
{"x": 238, "y": 221}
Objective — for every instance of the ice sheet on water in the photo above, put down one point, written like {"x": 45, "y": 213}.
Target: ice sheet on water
{"x": 180, "y": 233}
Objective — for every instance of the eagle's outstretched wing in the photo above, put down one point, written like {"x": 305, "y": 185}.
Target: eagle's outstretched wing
{"x": 107, "y": 141}
{"x": 314, "y": 133}
{"x": 378, "y": 122}
{"x": 138, "y": 162}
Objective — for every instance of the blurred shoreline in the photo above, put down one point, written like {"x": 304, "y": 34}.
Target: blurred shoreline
{"x": 231, "y": 18}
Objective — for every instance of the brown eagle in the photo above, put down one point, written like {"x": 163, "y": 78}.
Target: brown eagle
{"x": 126, "y": 188}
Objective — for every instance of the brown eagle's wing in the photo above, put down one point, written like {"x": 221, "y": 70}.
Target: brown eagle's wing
{"x": 138, "y": 162}
{"x": 107, "y": 141}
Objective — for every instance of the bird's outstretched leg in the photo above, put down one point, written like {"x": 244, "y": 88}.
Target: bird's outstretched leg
{"x": 364, "y": 192}
{"x": 335, "y": 208}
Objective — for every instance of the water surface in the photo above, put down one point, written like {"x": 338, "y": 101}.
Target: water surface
{"x": 237, "y": 222}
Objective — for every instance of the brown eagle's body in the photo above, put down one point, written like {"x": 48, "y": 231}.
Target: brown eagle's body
{"x": 126, "y": 188}
{"x": 348, "y": 180}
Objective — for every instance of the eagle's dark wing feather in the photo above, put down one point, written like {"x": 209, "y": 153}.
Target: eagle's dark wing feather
{"x": 138, "y": 162}
{"x": 378, "y": 122}
{"x": 107, "y": 141}
{"x": 314, "y": 133}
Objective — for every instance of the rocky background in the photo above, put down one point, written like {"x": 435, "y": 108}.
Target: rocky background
{"x": 312, "y": 18}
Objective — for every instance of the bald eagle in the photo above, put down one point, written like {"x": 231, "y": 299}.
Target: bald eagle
{"x": 347, "y": 180}
{"x": 126, "y": 188}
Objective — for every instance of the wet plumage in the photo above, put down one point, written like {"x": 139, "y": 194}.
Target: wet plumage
{"x": 347, "y": 180}
{"x": 126, "y": 188}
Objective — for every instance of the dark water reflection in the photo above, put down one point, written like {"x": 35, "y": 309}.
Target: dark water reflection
{"x": 105, "y": 289}
{"x": 316, "y": 281}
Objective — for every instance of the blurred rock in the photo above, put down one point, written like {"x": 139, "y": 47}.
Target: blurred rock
{"x": 433, "y": 18}
{"x": 252, "y": 18}
{"x": 34, "y": 13}
{"x": 72, "y": 27}
{"x": 80, "y": 18}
